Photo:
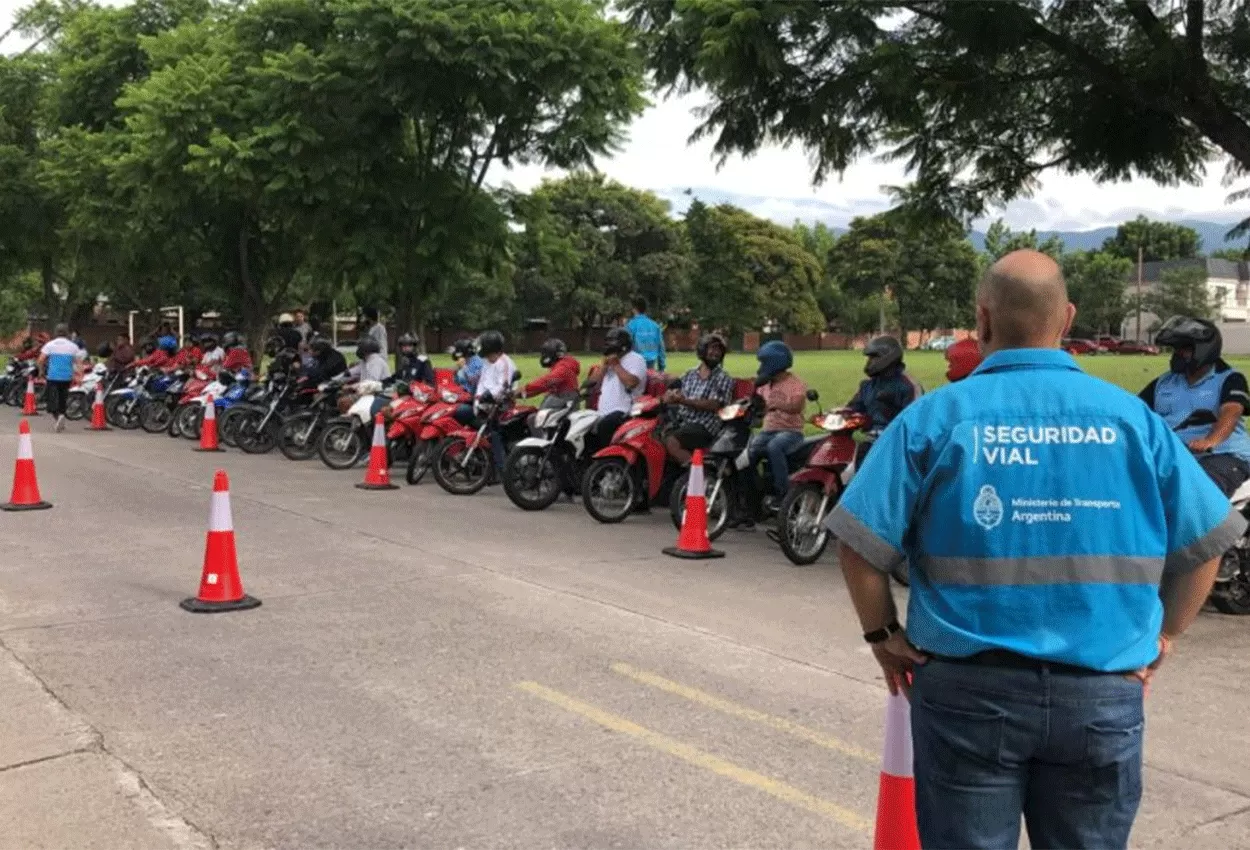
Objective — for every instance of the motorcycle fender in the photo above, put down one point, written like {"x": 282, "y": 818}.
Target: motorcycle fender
{"x": 629, "y": 454}
{"x": 534, "y": 443}
{"x": 827, "y": 479}
{"x": 657, "y": 459}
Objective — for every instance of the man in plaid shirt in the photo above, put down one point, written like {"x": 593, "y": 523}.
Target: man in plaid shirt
{"x": 704, "y": 390}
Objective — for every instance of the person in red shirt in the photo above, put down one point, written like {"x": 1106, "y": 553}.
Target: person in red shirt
{"x": 562, "y": 372}
{"x": 29, "y": 350}
{"x": 237, "y": 357}
{"x": 160, "y": 358}
{"x": 963, "y": 358}
{"x": 188, "y": 357}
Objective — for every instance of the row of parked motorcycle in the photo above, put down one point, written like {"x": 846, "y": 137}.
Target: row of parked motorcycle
{"x": 550, "y": 448}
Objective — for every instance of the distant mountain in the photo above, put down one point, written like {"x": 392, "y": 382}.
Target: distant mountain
{"x": 1212, "y": 234}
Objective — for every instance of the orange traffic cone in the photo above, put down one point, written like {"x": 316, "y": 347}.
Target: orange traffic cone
{"x": 28, "y": 404}
{"x": 220, "y": 587}
{"x": 208, "y": 429}
{"x": 377, "y": 476}
{"x": 692, "y": 542}
{"x": 98, "y": 422}
{"x": 25, "y": 487}
{"x": 896, "y": 796}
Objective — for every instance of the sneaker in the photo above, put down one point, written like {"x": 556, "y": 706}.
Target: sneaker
{"x": 60, "y": 423}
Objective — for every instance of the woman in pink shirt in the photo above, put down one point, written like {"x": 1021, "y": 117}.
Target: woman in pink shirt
{"x": 785, "y": 396}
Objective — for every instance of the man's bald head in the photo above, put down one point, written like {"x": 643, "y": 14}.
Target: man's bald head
{"x": 1022, "y": 302}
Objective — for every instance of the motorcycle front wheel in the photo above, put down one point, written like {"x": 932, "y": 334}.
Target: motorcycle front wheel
{"x": 122, "y": 412}
{"x": 155, "y": 417}
{"x": 297, "y": 438}
{"x": 609, "y": 490}
{"x": 801, "y": 531}
{"x": 420, "y": 459}
{"x": 250, "y": 437}
{"x": 340, "y": 446}
{"x": 717, "y": 506}
{"x": 459, "y": 471}
{"x": 530, "y": 479}
{"x": 76, "y": 407}
{"x": 228, "y": 424}
{"x": 1231, "y": 594}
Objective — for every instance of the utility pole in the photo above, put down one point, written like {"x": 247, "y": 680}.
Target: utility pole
{"x": 1139, "y": 286}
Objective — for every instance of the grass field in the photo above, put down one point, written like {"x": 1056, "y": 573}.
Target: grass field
{"x": 836, "y": 374}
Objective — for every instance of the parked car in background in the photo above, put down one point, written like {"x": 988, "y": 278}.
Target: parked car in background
{"x": 1081, "y": 346}
{"x": 1132, "y": 346}
{"x": 939, "y": 343}
{"x": 1107, "y": 342}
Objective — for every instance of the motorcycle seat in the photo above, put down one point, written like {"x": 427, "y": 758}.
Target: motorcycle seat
{"x": 797, "y": 456}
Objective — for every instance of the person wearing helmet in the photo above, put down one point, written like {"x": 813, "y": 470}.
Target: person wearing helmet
{"x": 237, "y": 357}
{"x": 495, "y": 381}
{"x": 29, "y": 351}
{"x": 214, "y": 354}
{"x": 962, "y": 359}
{"x": 620, "y": 380}
{"x": 159, "y": 354}
{"x": 888, "y": 388}
{"x": 468, "y": 364}
{"x": 1203, "y": 400}
{"x": 286, "y": 332}
{"x": 785, "y": 396}
{"x": 189, "y": 355}
{"x": 560, "y": 383}
{"x": 705, "y": 389}
{"x": 326, "y": 362}
{"x": 370, "y": 364}
{"x": 410, "y": 364}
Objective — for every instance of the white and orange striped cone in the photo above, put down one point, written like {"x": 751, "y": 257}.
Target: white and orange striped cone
{"x": 692, "y": 540}
{"x": 220, "y": 587}
{"x": 98, "y": 420}
{"x": 208, "y": 428}
{"x": 896, "y": 795}
{"x": 29, "y": 407}
{"x": 25, "y": 496}
{"x": 378, "y": 475}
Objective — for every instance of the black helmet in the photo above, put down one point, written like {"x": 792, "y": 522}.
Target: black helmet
{"x": 230, "y": 339}
{"x": 490, "y": 342}
{"x": 705, "y": 343}
{"x": 1199, "y": 335}
{"x": 408, "y": 339}
{"x": 319, "y": 345}
{"x": 105, "y": 350}
{"x": 463, "y": 348}
{"x": 883, "y": 353}
{"x": 551, "y": 351}
{"x": 366, "y": 346}
{"x": 617, "y": 341}
{"x": 208, "y": 340}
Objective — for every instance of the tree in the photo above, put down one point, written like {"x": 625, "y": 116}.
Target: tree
{"x": 1235, "y": 255}
{"x": 591, "y": 245}
{"x": 977, "y": 98}
{"x": 1181, "y": 292}
{"x": 1001, "y": 240}
{"x": 1096, "y": 285}
{"x": 1157, "y": 240}
{"x": 750, "y": 273}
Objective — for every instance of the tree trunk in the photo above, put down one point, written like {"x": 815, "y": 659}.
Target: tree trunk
{"x": 251, "y": 299}
{"x": 51, "y": 304}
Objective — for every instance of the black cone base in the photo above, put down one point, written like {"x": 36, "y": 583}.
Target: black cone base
{"x": 687, "y": 555}
{"x": 37, "y": 506}
{"x": 364, "y": 486}
{"x": 195, "y": 606}
{"x": 90, "y": 428}
{"x": 200, "y": 449}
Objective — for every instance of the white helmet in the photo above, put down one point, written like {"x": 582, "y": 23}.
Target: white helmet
{"x": 286, "y": 317}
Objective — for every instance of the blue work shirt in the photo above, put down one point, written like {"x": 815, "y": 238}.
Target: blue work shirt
{"x": 467, "y": 375}
{"x": 1039, "y": 508}
{"x": 1176, "y": 400}
{"x": 648, "y": 340}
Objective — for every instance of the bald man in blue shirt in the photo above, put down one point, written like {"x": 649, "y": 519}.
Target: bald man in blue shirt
{"x": 1059, "y": 535}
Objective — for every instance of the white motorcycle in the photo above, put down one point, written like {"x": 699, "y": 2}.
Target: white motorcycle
{"x": 82, "y": 397}
{"x": 539, "y": 468}
{"x": 1231, "y": 593}
{"x": 345, "y": 441}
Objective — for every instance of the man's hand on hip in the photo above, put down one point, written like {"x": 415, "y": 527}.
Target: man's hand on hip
{"x": 1145, "y": 674}
{"x": 898, "y": 658}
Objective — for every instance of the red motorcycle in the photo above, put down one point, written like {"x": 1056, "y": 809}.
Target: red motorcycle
{"x": 437, "y": 423}
{"x": 403, "y": 415}
{"x": 633, "y": 464}
{"x": 815, "y": 489}
{"x": 463, "y": 463}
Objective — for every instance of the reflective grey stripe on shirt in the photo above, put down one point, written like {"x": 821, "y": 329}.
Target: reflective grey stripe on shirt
{"x": 850, "y": 530}
{"x": 1061, "y": 569}
{"x": 1216, "y": 542}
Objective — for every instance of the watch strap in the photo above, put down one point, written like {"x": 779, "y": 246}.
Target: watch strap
{"x": 883, "y": 634}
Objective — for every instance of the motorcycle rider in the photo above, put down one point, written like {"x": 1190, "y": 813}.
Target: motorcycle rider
{"x": 785, "y": 396}
{"x": 237, "y": 357}
{"x": 291, "y": 338}
{"x": 495, "y": 381}
{"x": 410, "y": 364}
{"x": 962, "y": 359}
{"x": 888, "y": 388}
{"x": 621, "y": 379}
{"x": 327, "y": 362}
{"x": 705, "y": 389}
{"x": 123, "y": 354}
{"x": 560, "y": 382}
{"x": 161, "y": 355}
{"x": 29, "y": 351}
{"x": 189, "y": 355}
{"x": 210, "y": 360}
{"x": 1200, "y": 381}
{"x": 370, "y": 366}
{"x": 468, "y": 364}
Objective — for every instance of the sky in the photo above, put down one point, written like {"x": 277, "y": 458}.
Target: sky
{"x": 776, "y": 182}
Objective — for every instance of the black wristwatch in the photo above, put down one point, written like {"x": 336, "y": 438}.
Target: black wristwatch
{"x": 883, "y": 634}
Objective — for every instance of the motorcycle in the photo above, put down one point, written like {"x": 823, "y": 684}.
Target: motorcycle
{"x": 158, "y": 410}
{"x": 23, "y": 371}
{"x": 436, "y": 424}
{"x": 464, "y": 461}
{"x": 123, "y": 406}
{"x": 227, "y": 390}
{"x": 258, "y": 428}
{"x": 403, "y": 416}
{"x": 300, "y": 433}
{"x": 82, "y": 395}
{"x": 346, "y": 440}
{"x": 635, "y": 464}
{"x": 540, "y": 468}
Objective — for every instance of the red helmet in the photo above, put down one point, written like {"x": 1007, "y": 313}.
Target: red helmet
{"x": 962, "y": 358}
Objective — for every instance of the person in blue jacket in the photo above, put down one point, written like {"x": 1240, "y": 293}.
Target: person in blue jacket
{"x": 1203, "y": 399}
{"x": 647, "y": 336}
{"x": 888, "y": 388}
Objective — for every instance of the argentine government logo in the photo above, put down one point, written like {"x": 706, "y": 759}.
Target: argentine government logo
{"x": 987, "y": 508}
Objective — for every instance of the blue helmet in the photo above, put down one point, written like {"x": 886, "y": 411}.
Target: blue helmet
{"x": 775, "y": 357}
{"x": 168, "y": 344}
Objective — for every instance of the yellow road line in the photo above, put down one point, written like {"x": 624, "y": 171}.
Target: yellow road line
{"x": 781, "y": 724}
{"x": 698, "y": 758}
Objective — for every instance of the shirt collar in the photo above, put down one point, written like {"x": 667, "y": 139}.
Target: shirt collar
{"x": 1027, "y": 358}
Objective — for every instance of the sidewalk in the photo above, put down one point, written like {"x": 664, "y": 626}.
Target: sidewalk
{"x": 59, "y": 786}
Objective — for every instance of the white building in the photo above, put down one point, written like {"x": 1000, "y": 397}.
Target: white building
{"x": 1228, "y": 284}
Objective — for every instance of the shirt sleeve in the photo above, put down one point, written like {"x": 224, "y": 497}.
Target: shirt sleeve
{"x": 1148, "y": 394}
{"x": 1201, "y": 523}
{"x": 875, "y": 520}
{"x": 1235, "y": 391}
{"x": 857, "y": 401}
{"x": 723, "y": 389}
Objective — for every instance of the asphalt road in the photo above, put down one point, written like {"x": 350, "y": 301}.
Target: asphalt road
{"x": 433, "y": 671}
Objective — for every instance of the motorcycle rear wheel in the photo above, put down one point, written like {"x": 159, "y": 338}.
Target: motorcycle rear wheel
{"x": 717, "y": 509}
{"x": 15, "y": 395}
{"x": 121, "y": 413}
{"x": 250, "y": 437}
{"x": 298, "y": 436}
{"x": 456, "y": 476}
{"x": 228, "y": 424}
{"x": 518, "y": 474}
{"x": 340, "y": 446}
{"x": 155, "y": 417}
{"x": 614, "y": 473}
{"x": 799, "y": 542}
{"x": 1232, "y": 595}
{"x": 77, "y": 406}
{"x": 420, "y": 460}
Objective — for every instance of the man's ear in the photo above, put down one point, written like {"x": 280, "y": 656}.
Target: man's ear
{"x": 1067, "y": 326}
{"x": 984, "y": 333}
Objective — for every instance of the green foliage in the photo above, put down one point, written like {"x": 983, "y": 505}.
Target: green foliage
{"x": 1001, "y": 240}
{"x": 1181, "y": 292}
{"x": 1096, "y": 285}
{"x": 1157, "y": 240}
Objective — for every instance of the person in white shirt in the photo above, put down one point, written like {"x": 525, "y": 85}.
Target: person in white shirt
{"x": 624, "y": 381}
{"x": 370, "y": 366}
{"x": 496, "y": 379}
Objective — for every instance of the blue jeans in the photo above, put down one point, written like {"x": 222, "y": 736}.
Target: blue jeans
{"x": 992, "y": 743}
{"x": 775, "y": 445}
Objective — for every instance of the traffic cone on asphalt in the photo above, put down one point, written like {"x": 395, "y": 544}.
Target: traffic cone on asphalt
{"x": 208, "y": 429}
{"x": 377, "y": 476}
{"x": 220, "y": 587}
{"x": 692, "y": 542}
{"x": 25, "y": 495}
{"x": 896, "y": 795}
{"x": 28, "y": 404}
{"x": 98, "y": 422}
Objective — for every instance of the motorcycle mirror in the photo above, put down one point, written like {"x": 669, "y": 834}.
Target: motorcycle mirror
{"x": 812, "y": 395}
{"x": 516, "y": 376}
